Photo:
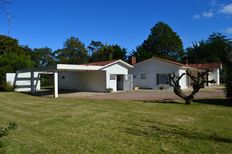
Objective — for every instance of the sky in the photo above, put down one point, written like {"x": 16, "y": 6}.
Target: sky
{"x": 48, "y": 23}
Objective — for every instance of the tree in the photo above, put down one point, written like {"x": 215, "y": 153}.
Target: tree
{"x": 95, "y": 46}
{"x": 228, "y": 72}
{"x": 211, "y": 50}
{"x": 42, "y": 57}
{"x": 198, "y": 83}
{"x": 104, "y": 52}
{"x": 12, "y": 57}
{"x": 162, "y": 42}
{"x": 73, "y": 52}
{"x": 217, "y": 48}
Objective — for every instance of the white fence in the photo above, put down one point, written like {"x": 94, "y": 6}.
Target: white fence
{"x": 22, "y": 81}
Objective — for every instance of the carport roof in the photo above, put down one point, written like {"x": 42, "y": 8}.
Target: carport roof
{"x": 81, "y": 67}
{"x": 92, "y": 66}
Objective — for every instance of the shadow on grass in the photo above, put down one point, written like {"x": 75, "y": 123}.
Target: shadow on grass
{"x": 159, "y": 130}
{"x": 164, "y": 101}
{"x": 223, "y": 102}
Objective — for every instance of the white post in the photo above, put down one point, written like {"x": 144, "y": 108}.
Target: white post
{"x": 218, "y": 77}
{"x": 55, "y": 84}
{"x": 32, "y": 83}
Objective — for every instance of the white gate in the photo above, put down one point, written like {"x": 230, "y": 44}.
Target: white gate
{"x": 128, "y": 82}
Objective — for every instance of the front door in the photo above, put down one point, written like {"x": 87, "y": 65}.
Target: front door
{"x": 119, "y": 82}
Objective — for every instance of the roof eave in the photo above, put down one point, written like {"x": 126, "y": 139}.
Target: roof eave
{"x": 118, "y": 61}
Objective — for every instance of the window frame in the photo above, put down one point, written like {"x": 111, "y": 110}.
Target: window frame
{"x": 143, "y": 76}
{"x": 112, "y": 77}
{"x": 158, "y": 75}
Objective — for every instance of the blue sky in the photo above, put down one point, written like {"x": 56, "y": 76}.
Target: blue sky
{"x": 40, "y": 23}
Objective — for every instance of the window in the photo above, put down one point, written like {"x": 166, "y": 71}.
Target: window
{"x": 163, "y": 78}
{"x": 112, "y": 77}
{"x": 143, "y": 76}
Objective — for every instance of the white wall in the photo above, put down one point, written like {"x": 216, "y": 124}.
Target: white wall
{"x": 116, "y": 69}
{"x": 183, "y": 81}
{"x": 214, "y": 75}
{"x": 83, "y": 81}
{"x": 151, "y": 68}
{"x": 22, "y": 81}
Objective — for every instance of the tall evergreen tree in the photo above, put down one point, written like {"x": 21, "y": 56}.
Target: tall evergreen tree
{"x": 162, "y": 42}
{"x": 211, "y": 50}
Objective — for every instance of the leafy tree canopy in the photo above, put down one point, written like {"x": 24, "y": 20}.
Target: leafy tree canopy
{"x": 211, "y": 50}
{"x": 162, "y": 42}
{"x": 12, "y": 57}
{"x": 104, "y": 52}
{"x": 42, "y": 57}
{"x": 73, "y": 52}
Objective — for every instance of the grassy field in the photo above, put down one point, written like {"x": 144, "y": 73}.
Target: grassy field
{"x": 66, "y": 125}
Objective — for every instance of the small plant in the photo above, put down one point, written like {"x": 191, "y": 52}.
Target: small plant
{"x": 5, "y": 131}
{"x": 7, "y": 87}
{"x": 109, "y": 90}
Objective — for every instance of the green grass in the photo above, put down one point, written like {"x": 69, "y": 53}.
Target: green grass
{"x": 68, "y": 125}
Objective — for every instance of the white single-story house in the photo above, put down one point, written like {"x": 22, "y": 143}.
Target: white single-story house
{"x": 154, "y": 73}
{"x": 96, "y": 77}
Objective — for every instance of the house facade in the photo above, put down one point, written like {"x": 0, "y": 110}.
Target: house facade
{"x": 153, "y": 73}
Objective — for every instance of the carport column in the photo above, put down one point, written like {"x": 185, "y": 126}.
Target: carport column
{"x": 55, "y": 84}
{"x": 32, "y": 83}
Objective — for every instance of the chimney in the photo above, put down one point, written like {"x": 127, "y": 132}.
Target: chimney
{"x": 133, "y": 60}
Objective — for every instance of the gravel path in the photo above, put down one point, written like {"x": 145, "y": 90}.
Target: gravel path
{"x": 148, "y": 95}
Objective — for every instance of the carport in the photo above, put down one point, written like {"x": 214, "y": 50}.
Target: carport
{"x": 95, "y": 77}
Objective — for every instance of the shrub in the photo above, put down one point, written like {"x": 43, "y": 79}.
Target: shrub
{"x": 8, "y": 87}
{"x": 109, "y": 90}
{"x": 5, "y": 131}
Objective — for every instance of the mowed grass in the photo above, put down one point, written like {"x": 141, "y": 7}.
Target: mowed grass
{"x": 68, "y": 125}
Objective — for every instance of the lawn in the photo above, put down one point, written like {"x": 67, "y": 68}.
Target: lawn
{"x": 69, "y": 125}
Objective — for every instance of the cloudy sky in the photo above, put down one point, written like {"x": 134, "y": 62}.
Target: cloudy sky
{"x": 41, "y": 23}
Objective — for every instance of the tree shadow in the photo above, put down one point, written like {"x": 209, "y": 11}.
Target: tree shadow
{"x": 164, "y": 101}
{"x": 222, "y": 102}
{"x": 160, "y": 130}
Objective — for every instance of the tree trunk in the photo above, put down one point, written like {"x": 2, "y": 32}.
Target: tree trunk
{"x": 188, "y": 101}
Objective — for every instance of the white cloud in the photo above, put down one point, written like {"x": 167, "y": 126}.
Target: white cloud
{"x": 208, "y": 14}
{"x": 226, "y": 9}
{"x": 228, "y": 30}
{"x": 215, "y": 8}
{"x": 205, "y": 14}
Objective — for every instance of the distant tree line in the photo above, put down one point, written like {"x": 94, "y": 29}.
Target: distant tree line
{"x": 161, "y": 42}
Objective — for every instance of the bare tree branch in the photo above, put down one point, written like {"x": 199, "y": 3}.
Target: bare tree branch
{"x": 198, "y": 80}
